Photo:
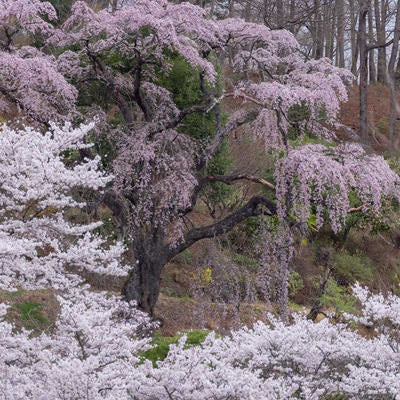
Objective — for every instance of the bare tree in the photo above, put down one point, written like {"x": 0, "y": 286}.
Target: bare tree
{"x": 380, "y": 8}
{"x": 394, "y": 79}
{"x": 340, "y": 37}
{"x": 362, "y": 42}
{"x": 371, "y": 39}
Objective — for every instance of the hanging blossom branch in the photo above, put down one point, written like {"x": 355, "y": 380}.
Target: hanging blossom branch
{"x": 250, "y": 209}
{"x": 325, "y": 176}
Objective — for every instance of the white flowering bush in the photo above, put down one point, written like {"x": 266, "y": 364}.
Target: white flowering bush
{"x": 302, "y": 360}
{"x": 94, "y": 345}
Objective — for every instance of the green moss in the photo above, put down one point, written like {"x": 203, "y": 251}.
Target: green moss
{"x": 298, "y": 308}
{"x": 295, "y": 139}
{"x": 185, "y": 299}
{"x": 196, "y": 337}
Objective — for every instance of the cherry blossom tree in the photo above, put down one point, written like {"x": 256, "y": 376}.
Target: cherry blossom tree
{"x": 94, "y": 349}
{"x": 160, "y": 168}
{"x": 30, "y": 84}
{"x": 95, "y": 336}
{"x": 37, "y": 242}
{"x": 90, "y": 353}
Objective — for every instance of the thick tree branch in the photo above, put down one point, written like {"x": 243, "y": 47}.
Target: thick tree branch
{"x": 240, "y": 119}
{"x": 136, "y": 90}
{"x": 257, "y": 205}
{"x": 210, "y": 150}
{"x": 246, "y": 98}
{"x": 232, "y": 178}
{"x": 379, "y": 45}
{"x": 363, "y": 207}
{"x": 20, "y": 104}
{"x": 203, "y": 108}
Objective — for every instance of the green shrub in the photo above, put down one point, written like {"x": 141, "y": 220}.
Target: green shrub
{"x": 63, "y": 8}
{"x": 220, "y": 164}
{"x": 296, "y": 283}
{"x": 299, "y": 112}
{"x": 350, "y": 268}
{"x": 338, "y": 298}
{"x": 244, "y": 260}
{"x": 183, "y": 82}
{"x": 382, "y": 125}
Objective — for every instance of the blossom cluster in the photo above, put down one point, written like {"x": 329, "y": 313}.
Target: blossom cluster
{"x": 326, "y": 176}
{"x": 29, "y": 78}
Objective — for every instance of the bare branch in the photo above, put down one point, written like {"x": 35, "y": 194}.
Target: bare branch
{"x": 363, "y": 207}
{"x": 379, "y": 45}
{"x": 232, "y": 178}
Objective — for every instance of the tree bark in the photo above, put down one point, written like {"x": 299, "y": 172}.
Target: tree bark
{"x": 340, "y": 14}
{"x": 393, "y": 73}
{"x": 353, "y": 37}
{"x": 329, "y": 29}
{"x": 371, "y": 55}
{"x": 319, "y": 32}
{"x": 231, "y": 8}
{"x": 212, "y": 7}
{"x": 362, "y": 39}
{"x": 292, "y": 14}
{"x": 380, "y": 24}
{"x": 143, "y": 282}
{"x": 280, "y": 14}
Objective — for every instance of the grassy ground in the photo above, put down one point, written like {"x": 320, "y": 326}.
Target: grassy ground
{"x": 35, "y": 310}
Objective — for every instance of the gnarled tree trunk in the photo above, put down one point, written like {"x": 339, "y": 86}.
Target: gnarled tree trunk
{"x": 151, "y": 252}
{"x": 143, "y": 282}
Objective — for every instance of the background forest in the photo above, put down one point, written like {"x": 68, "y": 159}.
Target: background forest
{"x": 199, "y": 200}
